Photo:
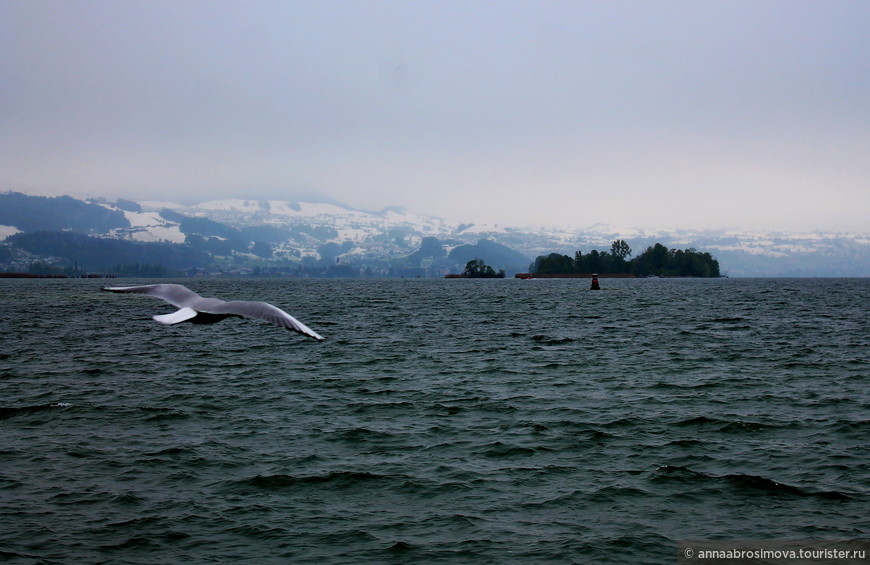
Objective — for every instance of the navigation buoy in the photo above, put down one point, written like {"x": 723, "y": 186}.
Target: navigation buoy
{"x": 594, "y": 285}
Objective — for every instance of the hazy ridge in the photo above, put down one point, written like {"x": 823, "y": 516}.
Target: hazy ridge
{"x": 244, "y": 234}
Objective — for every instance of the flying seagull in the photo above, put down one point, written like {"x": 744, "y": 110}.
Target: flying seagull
{"x": 198, "y": 310}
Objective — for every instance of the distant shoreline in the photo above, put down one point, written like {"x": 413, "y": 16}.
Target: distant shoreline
{"x": 34, "y": 276}
{"x": 574, "y": 275}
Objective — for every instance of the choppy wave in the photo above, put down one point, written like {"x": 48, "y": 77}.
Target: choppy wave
{"x": 12, "y": 411}
{"x": 737, "y": 484}
{"x": 440, "y": 422}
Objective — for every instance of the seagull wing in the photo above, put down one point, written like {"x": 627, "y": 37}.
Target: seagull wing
{"x": 178, "y": 295}
{"x": 263, "y": 311}
{"x": 177, "y": 317}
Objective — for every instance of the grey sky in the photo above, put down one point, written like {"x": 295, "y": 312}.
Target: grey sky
{"x": 680, "y": 114}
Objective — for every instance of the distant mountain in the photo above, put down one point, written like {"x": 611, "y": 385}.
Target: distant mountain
{"x": 34, "y": 213}
{"x": 327, "y": 238}
{"x": 450, "y": 256}
{"x": 496, "y": 255}
{"x": 107, "y": 255}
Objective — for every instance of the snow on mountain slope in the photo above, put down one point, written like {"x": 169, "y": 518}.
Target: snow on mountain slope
{"x": 482, "y": 229}
{"x": 282, "y": 211}
{"x": 6, "y": 231}
{"x": 301, "y": 231}
{"x": 150, "y": 227}
{"x": 395, "y": 232}
{"x": 348, "y": 224}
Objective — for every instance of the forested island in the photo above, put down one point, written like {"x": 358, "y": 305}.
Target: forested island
{"x": 477, "y": 269}
{"x": 656, "y": 260}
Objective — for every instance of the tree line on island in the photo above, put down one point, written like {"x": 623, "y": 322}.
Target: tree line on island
{"x": 477, "y": 269}
{"x": 656, "y": 260}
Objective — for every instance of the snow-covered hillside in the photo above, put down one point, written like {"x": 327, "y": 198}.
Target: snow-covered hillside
{"x": 329, "y": 233}
{"x": 150, "y": 226}
{"x": 6, "y": 231}
{"x": 284, "y": 213}
{"x": 395, "y": 232}
{"x": 370, "y": 233}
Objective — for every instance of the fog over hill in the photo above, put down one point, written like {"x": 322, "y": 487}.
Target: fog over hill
{"x": 324, "y": 236}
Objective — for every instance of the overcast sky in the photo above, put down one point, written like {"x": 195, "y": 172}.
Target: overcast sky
{"x": 689, "y": 114}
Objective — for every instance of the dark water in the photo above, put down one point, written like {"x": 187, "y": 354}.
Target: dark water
{"x": 443, "y": 421}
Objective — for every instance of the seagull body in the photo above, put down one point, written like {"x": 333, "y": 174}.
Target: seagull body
{"x": 198, "y": 310}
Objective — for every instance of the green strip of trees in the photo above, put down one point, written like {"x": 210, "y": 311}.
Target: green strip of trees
{"x": 656, "y": 260}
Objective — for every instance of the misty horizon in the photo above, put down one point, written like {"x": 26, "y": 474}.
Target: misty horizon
{"x": 721, "y": 115}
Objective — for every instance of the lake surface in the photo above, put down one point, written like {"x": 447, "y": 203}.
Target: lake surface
{"x": 442, "y": 421}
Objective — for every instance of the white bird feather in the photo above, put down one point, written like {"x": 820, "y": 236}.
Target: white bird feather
{"x": 198, "y": 310}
